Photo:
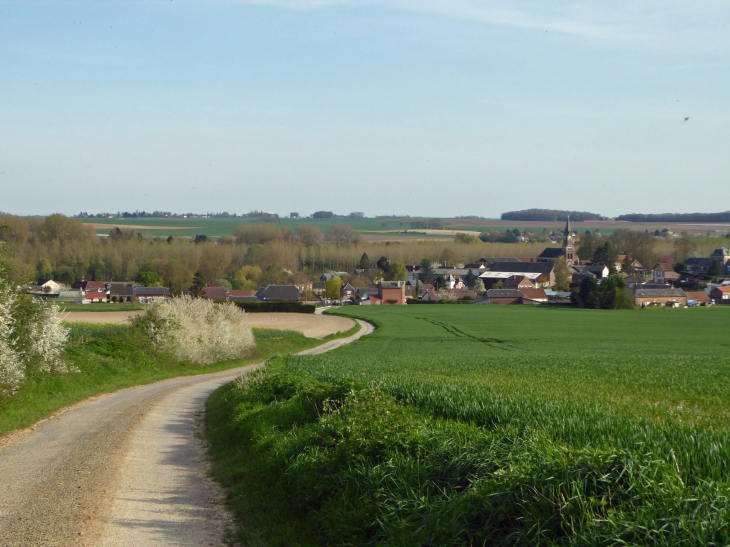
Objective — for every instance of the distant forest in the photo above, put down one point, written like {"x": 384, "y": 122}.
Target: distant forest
{"x": 550, "y": 215}
{"x": 677, "y": 217}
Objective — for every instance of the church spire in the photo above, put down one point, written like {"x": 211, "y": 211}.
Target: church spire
{"x": 568, "y": 231}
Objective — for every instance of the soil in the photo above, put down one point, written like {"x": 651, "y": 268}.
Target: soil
{"x": 312, "y": 326}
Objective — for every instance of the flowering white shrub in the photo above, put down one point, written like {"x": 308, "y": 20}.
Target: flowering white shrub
{"x": 48, "y": 339}
{"x": 32, "y": 338}
{"x": 198, "y": 330}
{"x": 11, "y": 363}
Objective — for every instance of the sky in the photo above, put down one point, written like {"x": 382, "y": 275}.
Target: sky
{"x": 410, "y": 107}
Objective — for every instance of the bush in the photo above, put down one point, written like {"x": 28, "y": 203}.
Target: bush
{"x": 286, "y": 306}
{"x": 198, "y": 330}
{"x": 32, "y": 338}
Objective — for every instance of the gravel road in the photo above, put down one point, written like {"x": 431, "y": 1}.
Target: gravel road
{"x": 127, "y": 468}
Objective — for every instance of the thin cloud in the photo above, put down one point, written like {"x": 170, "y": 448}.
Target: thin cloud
{"x": 667, "y": 26}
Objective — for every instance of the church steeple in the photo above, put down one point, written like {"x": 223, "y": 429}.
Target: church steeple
{"x": 568, "y": 243}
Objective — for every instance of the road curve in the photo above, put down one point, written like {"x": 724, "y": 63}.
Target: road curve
{"x": 127, "y": 468}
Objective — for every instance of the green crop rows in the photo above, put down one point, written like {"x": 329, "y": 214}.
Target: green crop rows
{"x": 488, "y": 425}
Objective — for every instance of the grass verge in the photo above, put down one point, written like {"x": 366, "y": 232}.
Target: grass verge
{"x": 112, "y": 357}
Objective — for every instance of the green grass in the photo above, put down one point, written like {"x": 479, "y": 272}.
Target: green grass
{"x": 113, "y": 357}
{"x": 488, "y": 425}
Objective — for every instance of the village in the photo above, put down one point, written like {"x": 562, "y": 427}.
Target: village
{"x": 549, "y": 279}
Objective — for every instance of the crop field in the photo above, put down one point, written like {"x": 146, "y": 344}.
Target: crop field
{"x": 188, "y": 227}
{"x": 488, "y": 425}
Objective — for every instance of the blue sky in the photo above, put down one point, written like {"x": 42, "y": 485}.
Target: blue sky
{"x": 420, "y": 107}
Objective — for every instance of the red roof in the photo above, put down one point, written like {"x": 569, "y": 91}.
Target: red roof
{"x": 99, "y": 286}
{"x": 698, "y": 295}
{"x": 242, "y": 293}
{"x": 215, "y": 293}
{"x": 534, "y": 294}
{"x": 95, "y": 295}
{"x": 724, "y": 288}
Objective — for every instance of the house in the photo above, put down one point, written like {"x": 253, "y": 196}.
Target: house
{"x": 697, "y": 266}
{"x": 664, "y": 273}
{"x": 71, "y": 295}
{"x": 534, "y": 296}
{"x": 318, "y": 287}
{"x": 631, "y": 280}
{"x": 94, "y": 286}
{"x": 721, "y": 295}
{"x": 280, "y": 293}
{"x": 148, "y": 295}
{"x": 476, "y": 268}
{"x": 48, "y": 286}
{"x": 664, "y": 297}
{"x": 698, "y": 298}
{"x": 121, "y": 292}
{"x": 504, "y": 297}
{"x": 722, "y": 255}
{"x": 92, "y": 296}
{"x": 389, "y": 293}
{"x": 453, "y": 294}
{"x": 217, "y": 294}
{"x": 248, "y": 292}
{"x": 347, "y": 292}
{"x": 518, "y": 282}
{"x": 540, "y": 272}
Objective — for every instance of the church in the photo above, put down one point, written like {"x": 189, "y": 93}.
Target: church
{"x": 551, "y": 253}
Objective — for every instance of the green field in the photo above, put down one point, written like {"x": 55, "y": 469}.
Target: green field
{"x": 489, "y": 425}
{"x": 227, "y": 226}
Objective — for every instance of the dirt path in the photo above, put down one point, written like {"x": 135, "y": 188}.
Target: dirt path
{"x": 312, "y": 326}
{"x": 126, "y": 468}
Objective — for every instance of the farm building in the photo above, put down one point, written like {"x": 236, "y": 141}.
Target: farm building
{"x": 660, "y": 297}
{"x": 504, "y": 297}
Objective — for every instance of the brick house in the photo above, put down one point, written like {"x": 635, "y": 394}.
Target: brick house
{"x": 518, "y": 282}
{"x": 721, "y": 295}
{"x": 215, "y": 293}
{"x": 534, "y": 296}
{"x": 660, "y": 297}
{"x": 392, "y": 293}
{"x": 504, "y": 297}
{"x": 124, "y": 292}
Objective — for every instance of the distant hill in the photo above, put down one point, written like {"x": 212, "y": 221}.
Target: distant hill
{"x": 677, "y": 217}
{"x": 550, "y": 215}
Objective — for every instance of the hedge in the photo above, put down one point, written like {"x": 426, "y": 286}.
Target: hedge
{"x": 285, "y": 306}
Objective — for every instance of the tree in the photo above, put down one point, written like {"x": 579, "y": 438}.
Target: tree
{"x": 588, "y": 293}
{"x": 714, "y": 268}
{"x": 562, "y": 274}
{"x": 426, "y": 274}
{"x": 608, "y": 295}
{"x": 45, "y": 271}
{"x": 384, "y": 264}
{"x": 466, "y": 238}
{"x": 365, "y": 262}
{"x": 332, "y": 288}
{"x": 479, "y": 286}
{"x": 588, "y": 244}
{"x": 197, "y": 289}
{"x": 608, "y": 255}
{"x": 679, "y": 267}
{"x": 310, "y": 235}
{"x": 396, "y": 272}
{"x": 223, "y": 283}
{"x": 342, "y": 234}
{"x": 627, "y": 265}
{"x": 149, "y": 279}
{"x": 470, "y": 279}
